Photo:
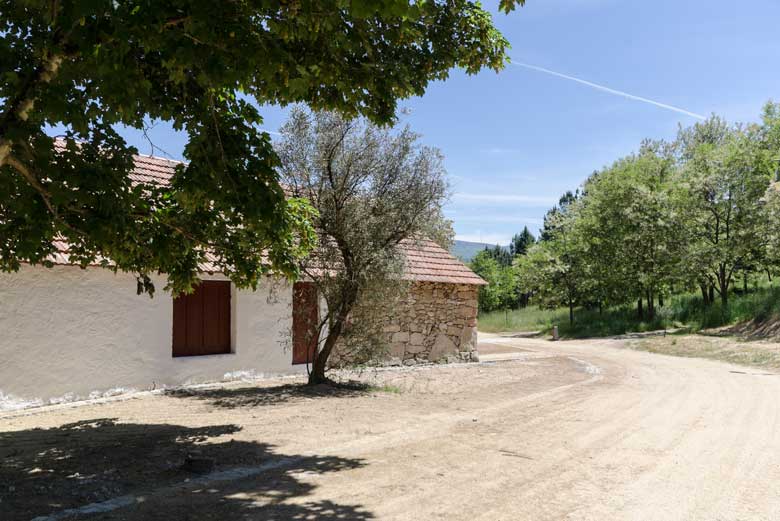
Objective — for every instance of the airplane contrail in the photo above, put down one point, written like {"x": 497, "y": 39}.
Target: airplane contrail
{"x": 609, "y": 90}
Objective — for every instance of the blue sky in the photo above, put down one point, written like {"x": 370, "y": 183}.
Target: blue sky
{"x": 516, "y": 140}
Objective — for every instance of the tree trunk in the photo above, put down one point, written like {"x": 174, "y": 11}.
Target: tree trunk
{"x": 712, "y": 294}
{"x": 650, "y": 304}
{"x": 705, "y": 295}
{"x": 317, "y": 375}
{"x": 571, "y": 313}
{"x": 744, "y": 283}
{"x": 639, "y": 313}
{"x": 723, "y": 286}
{"x": 660, "y": 300}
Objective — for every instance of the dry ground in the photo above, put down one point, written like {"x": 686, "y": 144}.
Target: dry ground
{"x": 568, "y": 430}
{"x": 764, "y": 353}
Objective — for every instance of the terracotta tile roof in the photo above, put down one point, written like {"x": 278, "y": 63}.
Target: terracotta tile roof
{"x": 153, "y": 170}
{"x": 426, "y": 261}
{"x": 62, "y": 257}
{"x": 148, "y": 169}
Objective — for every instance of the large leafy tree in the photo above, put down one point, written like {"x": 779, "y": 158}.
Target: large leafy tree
{"x": 771, "y": 143}
{"x": 83, "y": 68}
{"x": 634, "y": 246}
{"x": 722, "y": 192}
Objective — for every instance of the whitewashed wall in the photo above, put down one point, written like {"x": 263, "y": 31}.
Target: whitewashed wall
{"x": 68, "y": 333}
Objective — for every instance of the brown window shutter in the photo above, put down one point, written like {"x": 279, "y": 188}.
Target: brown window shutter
{"x": 306, "y": 313}
{"x": 201, "y": 320}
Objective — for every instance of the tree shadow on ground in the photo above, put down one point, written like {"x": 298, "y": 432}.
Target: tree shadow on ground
{"x": 43, "y": 471}
{"x": 275, "y": 395}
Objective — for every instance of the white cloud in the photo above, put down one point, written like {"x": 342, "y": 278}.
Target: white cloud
{"x": 506, "y": 198}
{"x": 508, "y": 219}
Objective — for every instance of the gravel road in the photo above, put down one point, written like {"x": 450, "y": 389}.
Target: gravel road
{"x": 540, "y": 430}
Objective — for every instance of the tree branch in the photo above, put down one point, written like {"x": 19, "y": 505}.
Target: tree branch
{"x": 20, "y": 106}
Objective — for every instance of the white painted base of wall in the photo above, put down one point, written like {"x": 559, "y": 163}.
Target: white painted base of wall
{"x": 68, "y": 334}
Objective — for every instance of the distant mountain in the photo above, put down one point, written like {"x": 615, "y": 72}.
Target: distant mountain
{"x": 466, "y": 251}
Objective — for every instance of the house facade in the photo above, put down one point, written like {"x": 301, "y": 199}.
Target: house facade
{"x": 68, "y": 333}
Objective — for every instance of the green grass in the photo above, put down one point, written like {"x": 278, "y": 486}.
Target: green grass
{"x": 386, "y": 388}
{"x": 527, "y": 319}
{"x": 682, "y": 311}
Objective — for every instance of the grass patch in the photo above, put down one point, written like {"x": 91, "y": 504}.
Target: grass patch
{"x": 682, "y": 311}
{"x": 386, "y": 388}
{"x": 528, "y": 319}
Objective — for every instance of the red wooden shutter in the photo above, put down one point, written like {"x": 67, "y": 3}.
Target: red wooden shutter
{"x": 306, "y": 315}
{"x": 201, "y": 320}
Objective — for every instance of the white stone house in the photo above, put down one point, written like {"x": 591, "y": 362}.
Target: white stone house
{"x": 69, "y": 333}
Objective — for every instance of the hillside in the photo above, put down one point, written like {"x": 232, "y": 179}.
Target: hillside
{"x": 466, "y": 250}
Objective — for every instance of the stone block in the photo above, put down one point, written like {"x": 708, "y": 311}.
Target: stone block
{"x": 442, "y": 347}
{"x": 415, "y": 349}
{"x": 401, "y": 336}
{"x": 398, "y": 349}
{"x": 417, "y": 339}
{"x": 468, "y": 339}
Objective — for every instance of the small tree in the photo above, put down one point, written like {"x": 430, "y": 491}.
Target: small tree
{"x": 373, "y": 189}
{"x": 555, "y": 270}
{"x": 486, "y": 266}
{"x": 521, "y": 242}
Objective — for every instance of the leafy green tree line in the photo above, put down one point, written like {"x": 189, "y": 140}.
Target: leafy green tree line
{"x": 700, "y": 213}
{"x": 495, "y": 265}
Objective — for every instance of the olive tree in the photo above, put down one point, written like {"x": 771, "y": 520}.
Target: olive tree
{"x": 82, "y": 69}
{"x": 373, "y": 188}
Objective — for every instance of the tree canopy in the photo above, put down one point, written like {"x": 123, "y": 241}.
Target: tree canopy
{"x": 81, "y": 69}
{"x": 691, "y": 214}
{"x": 521, "y": 242}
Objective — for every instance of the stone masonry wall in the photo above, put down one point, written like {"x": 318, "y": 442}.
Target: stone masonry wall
{"x": 437, "y": 323}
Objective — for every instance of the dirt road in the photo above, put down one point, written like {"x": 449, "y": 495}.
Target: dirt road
{"x": 569, "y": 430}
